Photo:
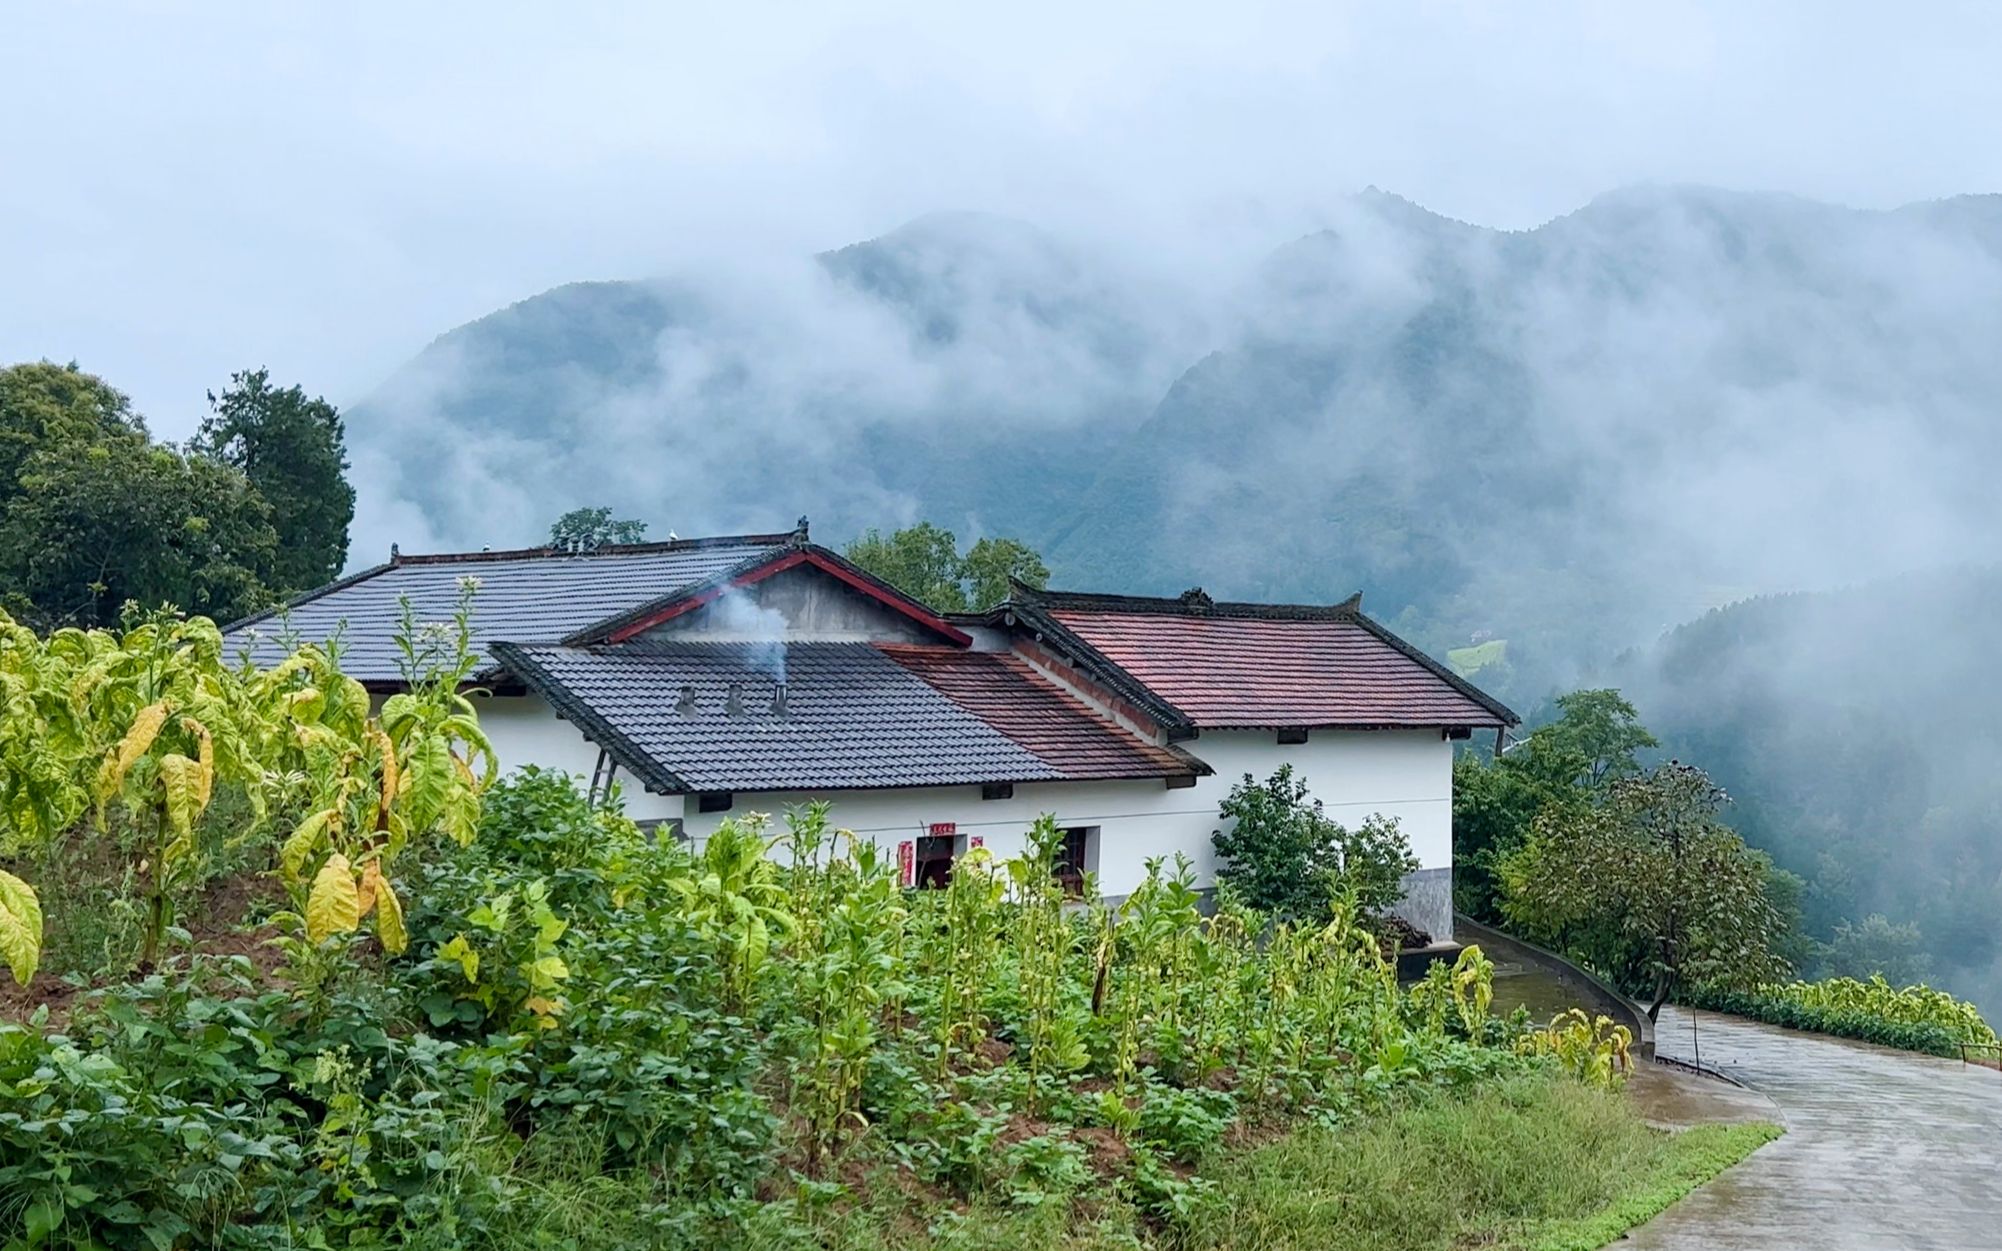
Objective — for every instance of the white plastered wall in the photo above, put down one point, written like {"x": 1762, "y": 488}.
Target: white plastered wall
{"x": 1406, "y": 774}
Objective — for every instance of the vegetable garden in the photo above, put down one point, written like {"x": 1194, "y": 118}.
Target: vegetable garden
{"x": 497, "y": 1014}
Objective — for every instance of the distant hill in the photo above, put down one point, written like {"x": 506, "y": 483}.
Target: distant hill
{"x": 1569, "y": 437}
{"x": 1856, "y": 731}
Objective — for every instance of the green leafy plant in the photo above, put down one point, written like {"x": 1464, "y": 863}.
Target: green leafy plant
{"x": 1911, "y": 1018}
{"x": 1284, "y": 855}
{"x": 1593, "y": 1049}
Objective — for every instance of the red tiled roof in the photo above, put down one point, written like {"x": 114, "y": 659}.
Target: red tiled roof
{"x": 1003, "y": 691}
{"x": 1223, "y": 671}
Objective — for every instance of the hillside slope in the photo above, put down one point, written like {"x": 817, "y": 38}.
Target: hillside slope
{"x": 1568, "y": 438}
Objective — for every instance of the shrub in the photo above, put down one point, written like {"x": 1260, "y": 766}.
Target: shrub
{"x": 1283, "y": 855}
{"x": 1914, "y": 1018}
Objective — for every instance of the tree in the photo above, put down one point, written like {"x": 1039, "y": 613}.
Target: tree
{"x": 992, "y": 564}
{"x": 1650, "y": 886}
{"x": 1595, "y": 740}
{"x": 44, "y": 405}
{"x": 1600, "y": 730}
{"x": 293, "y": 451}
{"x": 924, "y": 562}
{"x": 123, "y": 520}
{"x": 587, "y": 528}
{"x": 1897, "y": 953}
{"x": 1283, "y": 855}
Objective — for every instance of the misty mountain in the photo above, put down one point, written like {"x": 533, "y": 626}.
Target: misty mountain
{"x": 1569, "y": 437}
{"x": 1855, "y": 730}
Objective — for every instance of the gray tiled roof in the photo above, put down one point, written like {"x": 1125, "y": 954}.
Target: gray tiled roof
{"x": 855, "y": 718}
{"x": 536, "y": 594}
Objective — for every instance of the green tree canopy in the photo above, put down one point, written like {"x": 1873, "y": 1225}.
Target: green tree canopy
{"x": 93, "y": 513}
{"x": 993, "y": 563}
{"x": 293, "y": 450}
{"x": 1282, "y": 853}
{"x": 924, "y": 562}
{"x": 46, "y": 405}
{"x": 1600, "y": 730}
{"x": 587, "y": 528}
{"x": 1650, "y": 886}
{"x": 123, "y": 520}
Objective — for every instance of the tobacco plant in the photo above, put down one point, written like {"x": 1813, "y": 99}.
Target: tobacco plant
{"x": 963, "y": 952}
{"x": 1051, "y": 1030}
{"x": 177, "y": 721}
{"x": 734, "y": 891}
{"x": 844, "y": 960}
{"x": 371, "y": 783}
{"x": 1592, "y": 1049}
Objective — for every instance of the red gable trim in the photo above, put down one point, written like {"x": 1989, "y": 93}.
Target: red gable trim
{"x": 840, "y": 569}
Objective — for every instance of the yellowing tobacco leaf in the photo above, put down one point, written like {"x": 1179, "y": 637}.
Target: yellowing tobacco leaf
{"x": 138, "y": 739}
{"x": 305, "y": 840}
{"x": 20, "y": 927}
{"x": 367, "y": 888}
{"x": 333, "y": 907}
{"x": 389, "y": 919}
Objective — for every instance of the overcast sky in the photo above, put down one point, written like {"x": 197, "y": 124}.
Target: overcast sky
{"x": 188, "y": 189}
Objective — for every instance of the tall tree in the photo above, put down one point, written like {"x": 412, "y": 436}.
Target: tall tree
{"x": 594, "y": 527}
{"x": 1601, "y": 730}
{"x": 993, "y": 563}
{"x": 924, "y": 562}
{"x": 125, "y": 520}
{"x": 1650, "y": 886}
{"x": 293, "y": 450}
{"x": 46, "y": 405}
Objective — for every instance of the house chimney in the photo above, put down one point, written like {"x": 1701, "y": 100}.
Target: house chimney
{"x": 734, "y": 705}
{"x": 686, "y": 704}
{"x": 779, "y": 701}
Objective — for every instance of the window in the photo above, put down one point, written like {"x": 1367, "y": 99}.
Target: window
{"x": 1077, "y": 857}
{"x": 998, "y": 790}
{"x": 1293, "y": 734}
{"x": 714, "y": 801}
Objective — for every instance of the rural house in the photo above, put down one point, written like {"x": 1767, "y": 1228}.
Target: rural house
{"x": 747, "y": 673}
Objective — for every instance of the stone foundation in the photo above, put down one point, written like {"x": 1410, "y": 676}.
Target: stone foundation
{"x": 1428, "y": 902}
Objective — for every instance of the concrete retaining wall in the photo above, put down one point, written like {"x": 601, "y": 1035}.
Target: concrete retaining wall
{"x": 1594, "y": 995}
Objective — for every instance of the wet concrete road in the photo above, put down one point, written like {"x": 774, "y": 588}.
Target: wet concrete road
{"x": 1884, "y": 1151}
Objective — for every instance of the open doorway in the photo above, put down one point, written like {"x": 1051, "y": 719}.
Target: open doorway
{"x": 932, "y": 862}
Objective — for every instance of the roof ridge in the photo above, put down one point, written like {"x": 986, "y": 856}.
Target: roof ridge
{"x": 1194, "y": 603}
{"x": 549, "y": 551}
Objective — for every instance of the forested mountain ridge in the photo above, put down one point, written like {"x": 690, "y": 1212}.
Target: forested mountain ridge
{"x": 1569, "y": 437}
{"x": 1855, "y": 730}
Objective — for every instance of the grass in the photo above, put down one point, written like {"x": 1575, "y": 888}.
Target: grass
{"x": 1534, "y": 1163}
{"x": 1467, "y": 661}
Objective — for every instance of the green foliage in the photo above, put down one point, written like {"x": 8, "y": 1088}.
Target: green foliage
{"x": 121, "y": 520}
{"x": 602, "y": 1039}
{"x": 93, "y": 514}
{"x": 1592, "y": 1049}
{"x": 1598, "y": 733}
{"x": 1533, "y": 1162}
{"x": 1911, "y": 1018}
{"x": 586, "y": 528}
{"x": 1282, "y": 854}
{"x": 924, "y": 562}
{"x": 1565, "y": 764}
{"x": 991, "y": 565}
{"x": 293, "y": 451}
{"x": 1874, "y": 947}
{"x": 1649, "y": 886}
